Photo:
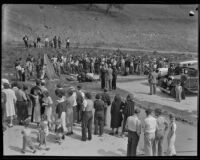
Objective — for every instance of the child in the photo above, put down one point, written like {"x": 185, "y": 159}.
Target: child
{"x": 178, "y": 90}
{"x": 47, "y": 102}
{"x": 171, "y": 137}
{"x": 59, "y": 130}
{"x": 26, "y": 132}
{"x": 43, "y": 132}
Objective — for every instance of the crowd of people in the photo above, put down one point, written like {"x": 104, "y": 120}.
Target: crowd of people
{"x": 73, "y": 105}
{"x": 55, "y": 42}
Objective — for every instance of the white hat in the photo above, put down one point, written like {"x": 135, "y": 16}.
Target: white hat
{"x": 3, "y": 80}
{"x": 191, "y": 13}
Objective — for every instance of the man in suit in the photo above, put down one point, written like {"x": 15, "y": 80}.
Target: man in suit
{"x": 153, "y": 81}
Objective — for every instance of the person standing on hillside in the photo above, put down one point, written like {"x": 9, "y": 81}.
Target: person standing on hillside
{"x": 55, "y": 42}
{"x": 162, "y": 126}
{"x": 25, "y": 39}
{"x": 67, "y": 43}
{"x": 39, "y": 41}
{"x": 59, "y": 42}
{"x": 46, "y": 41}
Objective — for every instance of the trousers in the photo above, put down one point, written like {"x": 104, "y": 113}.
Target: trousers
{"x": 158, "y": 145}
{"x": 152, "y": 88}
{"x": 133, "y": 140}
{"x": 148, "y": 143}
{"x": 99, "y": 122}
{"x": 87, "y": 125}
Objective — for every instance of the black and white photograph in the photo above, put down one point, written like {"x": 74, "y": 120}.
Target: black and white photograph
{"x": 100, "y": 80}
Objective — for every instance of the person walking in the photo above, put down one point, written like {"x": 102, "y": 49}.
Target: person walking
{"x": 162, "y": 126}
{"x": 150, "y": 125}
{"x": 171, "y": 137}
{"x": 153, "y": 81}
{"x": 99, "y": 115}
{"x": 55, "y": 42}
{"x": 116, "y": 115}
{"x": 59, "y": 42}
{"x": 10, "y": 102}
{"x": 105, "y": 97}
{"x": 134, "y": 127}
{"x": 87, "y": 117}
{"x": 127, "y": 110}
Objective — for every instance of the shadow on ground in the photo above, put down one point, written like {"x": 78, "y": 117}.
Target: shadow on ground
{"x": 107, "y": 153}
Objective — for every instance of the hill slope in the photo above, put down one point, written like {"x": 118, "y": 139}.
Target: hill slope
{"x": 155, "y": 27}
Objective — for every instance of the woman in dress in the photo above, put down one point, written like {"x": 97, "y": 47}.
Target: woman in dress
{"x": 69, "y": 111}
{"x": 10, "y": 102}
{"x": 171, "y": 137}
{"x": 116, "y": 115}
{"x": 36, "y": 106}
{"x": 47, "y": 102}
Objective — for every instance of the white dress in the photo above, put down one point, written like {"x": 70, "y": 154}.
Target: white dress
{"x": 171, "y": 137}
{"x": 10, "y": 102}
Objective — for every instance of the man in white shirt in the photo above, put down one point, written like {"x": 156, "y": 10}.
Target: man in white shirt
{"x": 133, "y": 125}
{"x": 150, "y": 125}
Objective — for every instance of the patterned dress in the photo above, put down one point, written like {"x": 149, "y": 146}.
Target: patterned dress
{"x": 171, "y": 137}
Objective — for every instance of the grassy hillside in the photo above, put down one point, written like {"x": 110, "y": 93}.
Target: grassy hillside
{"x": 154, "y": 27}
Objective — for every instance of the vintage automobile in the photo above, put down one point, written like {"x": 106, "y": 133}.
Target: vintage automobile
{"x": 191, "y": 81}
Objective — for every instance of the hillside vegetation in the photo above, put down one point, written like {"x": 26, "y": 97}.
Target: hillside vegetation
{"x": 151, "y": 27}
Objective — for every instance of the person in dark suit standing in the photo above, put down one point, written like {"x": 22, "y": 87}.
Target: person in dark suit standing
{"x": 114, "y": 74}
{"x": 127, "y": 110}
{"x": 99, "y": 115}
{"x": 102, "y": 76}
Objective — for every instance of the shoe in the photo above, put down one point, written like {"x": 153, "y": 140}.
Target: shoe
{"x": 63, "y": 137}
{"x": 90, "y": 138}
{"x": 71, "y": 133}
{"x": 116, "y": 132}
{"x": 83, "y": 139}
{"x": 111, "y": 133}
